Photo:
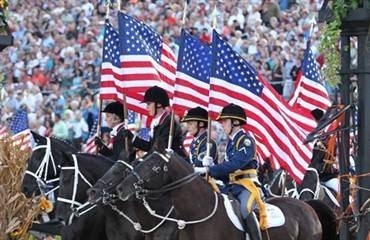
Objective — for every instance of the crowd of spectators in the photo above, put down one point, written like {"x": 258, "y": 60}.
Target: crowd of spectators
{"x": 54, "y": 66}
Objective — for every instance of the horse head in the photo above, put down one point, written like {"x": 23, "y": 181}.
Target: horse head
{"x": 42, "y": 167}
{"x": 310, "y": 186}
{"x": 105, "y": 187}
{"x": 78, "y": 173}
{"x": 153, "y": 174}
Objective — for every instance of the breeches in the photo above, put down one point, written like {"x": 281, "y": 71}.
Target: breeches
{"x": 243, "y": 199}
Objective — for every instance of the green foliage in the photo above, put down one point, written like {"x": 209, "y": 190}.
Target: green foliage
{"x": 4, "y": 14}
{"x": 330, "y": 40}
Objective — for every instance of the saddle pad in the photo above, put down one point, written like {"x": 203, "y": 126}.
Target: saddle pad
{"x": 275, "y": 217}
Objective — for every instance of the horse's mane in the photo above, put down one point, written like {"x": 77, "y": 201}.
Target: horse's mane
{"x": 62, "y": 142}
{"x": 91, "y": 155}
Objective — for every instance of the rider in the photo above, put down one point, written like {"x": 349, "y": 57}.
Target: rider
{"x": 327, "y": 173}
{"x": 197, "y": 123}
{"x": 157, "y": 100}
{"x": 239, "y": 170}
{"x": 115, "y": 120}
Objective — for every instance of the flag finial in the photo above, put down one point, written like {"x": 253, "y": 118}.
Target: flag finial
{"x": 185, "y": 12}
{"x": 214, "y": 15}
{"x": 313, "y": 23}
{"x": 107, "y": 4}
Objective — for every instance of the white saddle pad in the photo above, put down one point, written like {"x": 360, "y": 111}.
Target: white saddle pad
{"x": 275, "y": 217}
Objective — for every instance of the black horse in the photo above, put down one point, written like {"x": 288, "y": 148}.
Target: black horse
{"x": 282, "y": 185}
{"x": 104, "y": 193}
{"x": 42, "y": 168}
{"x": 201, "y": 209}
{"x": 311, "y": 188}
{"x": 78, "y": 173}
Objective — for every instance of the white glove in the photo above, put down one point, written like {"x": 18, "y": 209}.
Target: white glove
{"x": 207, "y": 161}
{"x": 200, "y": 170}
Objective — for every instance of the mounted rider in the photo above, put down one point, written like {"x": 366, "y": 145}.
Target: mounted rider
{"x": 239, "y": 170}
{"x": 115, "y": 120}
{"x": 197, "y": 124}
{"x": 157, "y": 101}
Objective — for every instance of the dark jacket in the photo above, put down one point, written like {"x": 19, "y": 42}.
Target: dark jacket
{"x": 162, "y": 131}
{"x": 118, "y": 145}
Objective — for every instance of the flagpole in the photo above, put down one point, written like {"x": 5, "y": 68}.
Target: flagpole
{"x": 98, "y": 127}
{"x": 208, "y": 151}
{"x": 125, "y": 114}
{"x": 100, "y": 104}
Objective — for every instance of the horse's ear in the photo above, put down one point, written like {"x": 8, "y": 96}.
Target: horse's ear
{"x": 38, "y": 138}
{"x": 159, "y": 145}
{"x": 67, "y": 159}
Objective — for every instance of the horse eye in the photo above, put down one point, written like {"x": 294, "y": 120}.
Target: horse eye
{"x": 65, "y": 180}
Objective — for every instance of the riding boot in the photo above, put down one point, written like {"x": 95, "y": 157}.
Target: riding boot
{"x": 252, "y": 227}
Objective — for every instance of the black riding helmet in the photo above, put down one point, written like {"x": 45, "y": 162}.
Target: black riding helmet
{"x": 233, "y": 111}
{"x": 116, "y": 108}
{"x": 157, "y": 95}
{"x": 195, "y": 114}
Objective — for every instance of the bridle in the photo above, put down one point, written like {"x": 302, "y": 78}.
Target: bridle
{"x": 141, "y": 192}
{"x": 111, "y": 197}
{"x": 316, "y": 191}
{"x": 75, "y": 206}
{"x": 41, "y": 173}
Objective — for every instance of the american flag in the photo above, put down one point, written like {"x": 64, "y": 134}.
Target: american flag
{"x": 187, "y": 141}
{"x": 309, "y": 92}
{"x": 90, "y": 146}
{"x": 233, "y": 80}
{"x": 192, "y": 76}
{"x": 146, "y": 58}
{"x": 112, "y": 84}
{"x": 19, "y": 127}
{"x": 131, "y": 121}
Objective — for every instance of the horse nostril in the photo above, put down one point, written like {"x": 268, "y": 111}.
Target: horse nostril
{"x": 119, "y": 189}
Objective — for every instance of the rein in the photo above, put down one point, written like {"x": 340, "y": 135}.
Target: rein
{"x": 42, "y": 172}
{"x": 182, "y": 223}
{"x": 137, "y": 225}
{"x": 76, "y": 210}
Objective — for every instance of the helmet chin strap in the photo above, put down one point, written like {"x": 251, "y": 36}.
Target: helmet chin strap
{"x": 198, "y": 129}
{"x": 155, "y": 109}
{"x": 233, "y": 126}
